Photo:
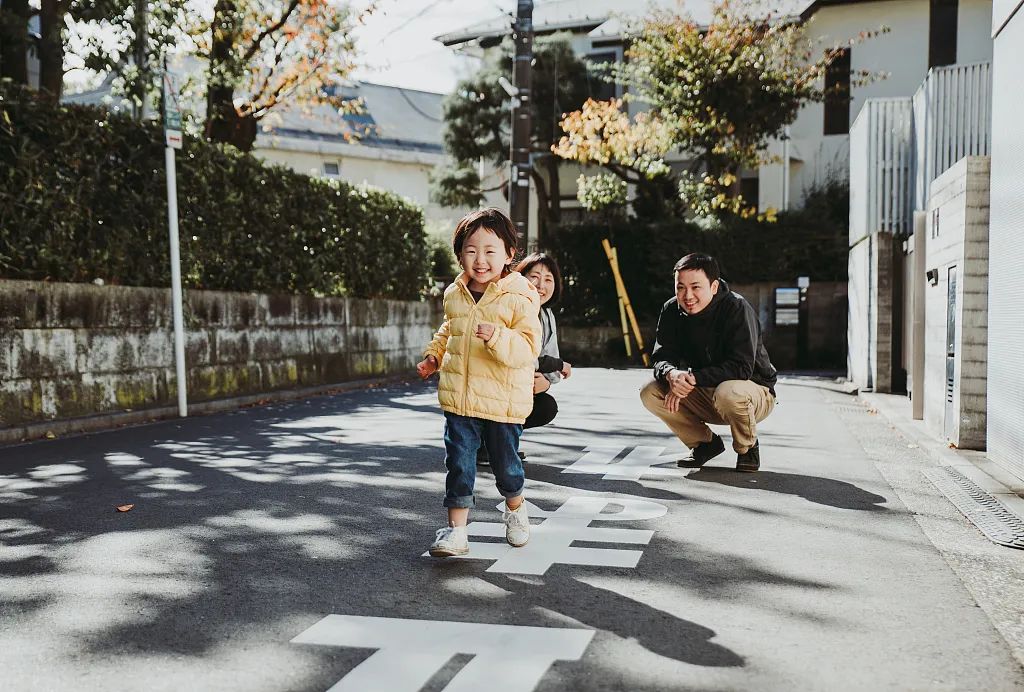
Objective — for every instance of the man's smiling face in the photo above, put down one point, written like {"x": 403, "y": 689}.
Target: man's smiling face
{"x": 693, "y": 290}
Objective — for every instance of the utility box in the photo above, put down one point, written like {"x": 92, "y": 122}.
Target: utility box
{"x": 956, "y": 304}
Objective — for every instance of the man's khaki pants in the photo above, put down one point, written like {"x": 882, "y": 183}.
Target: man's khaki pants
{"x": 740, "y": 404}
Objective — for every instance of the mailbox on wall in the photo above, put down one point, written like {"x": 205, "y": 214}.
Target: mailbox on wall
{"x": 787, "y": 307}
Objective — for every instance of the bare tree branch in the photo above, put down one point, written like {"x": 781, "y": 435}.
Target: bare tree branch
{"x": 269, "y": 30}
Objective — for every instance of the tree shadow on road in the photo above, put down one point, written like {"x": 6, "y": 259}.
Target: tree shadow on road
{"x": 257, "y": 523}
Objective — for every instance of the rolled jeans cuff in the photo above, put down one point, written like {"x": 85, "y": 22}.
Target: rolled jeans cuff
{"x": 463, "y": 502}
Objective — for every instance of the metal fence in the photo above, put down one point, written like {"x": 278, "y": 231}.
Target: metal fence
{"x": 898, "y": 146}
{"x": 881, "y": 153}
{"x": 952, "y": 119}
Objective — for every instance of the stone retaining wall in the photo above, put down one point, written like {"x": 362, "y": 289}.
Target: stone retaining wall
{"x": 70, "y": 350}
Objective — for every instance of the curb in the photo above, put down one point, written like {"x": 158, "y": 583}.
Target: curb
{"x": 13, "y": 436}
{"x": 988, "y": 475}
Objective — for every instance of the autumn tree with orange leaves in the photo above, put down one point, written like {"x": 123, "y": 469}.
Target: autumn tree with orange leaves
{"x": 715, "y": 95}
{"x": 263, "y": 53}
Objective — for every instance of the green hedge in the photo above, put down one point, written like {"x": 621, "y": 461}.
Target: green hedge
{"x": 812, "y": 241}
{"x": 83, "y": 197}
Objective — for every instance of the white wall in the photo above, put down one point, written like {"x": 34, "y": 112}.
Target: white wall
{"x": 406, "y": 173}
{"x": 957, "y": 229}
{"x": 858, "y": 363}
{"x": 973, "y": 31}
{"x": 1006, "y": 280}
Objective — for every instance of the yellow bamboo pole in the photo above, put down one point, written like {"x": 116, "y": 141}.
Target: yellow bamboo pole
{"x": 624, "y": 296}
{"x": 614, "y": 262}
{"x": 625, "y": 326}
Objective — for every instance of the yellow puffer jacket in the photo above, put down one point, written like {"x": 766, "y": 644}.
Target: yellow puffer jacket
{"x": 492, "y": 380}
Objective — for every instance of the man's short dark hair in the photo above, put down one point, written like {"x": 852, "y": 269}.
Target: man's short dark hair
{"x": 701, "y": 261}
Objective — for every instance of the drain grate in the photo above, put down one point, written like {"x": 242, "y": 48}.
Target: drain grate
{"x": 851, "y": 408}
{"x": 994, "y": 520}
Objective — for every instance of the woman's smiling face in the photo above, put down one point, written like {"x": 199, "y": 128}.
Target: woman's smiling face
{"x": 542, "y": 278}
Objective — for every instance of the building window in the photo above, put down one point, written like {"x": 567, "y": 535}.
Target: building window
{"x": 942, "y": 18}
{"x": 837, "y": 95}
{"x": 600, "y": 90}
{"x": 332, "y": 169}
{"x": 750, "y": 188}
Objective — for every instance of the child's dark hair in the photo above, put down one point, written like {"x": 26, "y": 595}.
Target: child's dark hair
{"x": 703, "y": 262}
{"x": 530, "y": 261}
{"x": 492, "y": 219}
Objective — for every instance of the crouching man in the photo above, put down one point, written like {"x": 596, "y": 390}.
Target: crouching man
{"x": 710, "y": 366}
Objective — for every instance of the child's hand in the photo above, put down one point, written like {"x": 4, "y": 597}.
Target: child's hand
{"x": 566, "y": 369}
{"x": 426, "y": 367}
{"x": 485, "y": 331}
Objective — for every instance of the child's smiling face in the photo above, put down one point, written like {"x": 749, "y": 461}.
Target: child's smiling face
{"x": 484, "y": 257}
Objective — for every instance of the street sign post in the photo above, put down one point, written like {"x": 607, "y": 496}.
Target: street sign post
{"x": 172, "y": 141}
{"x": 519, "y": 177}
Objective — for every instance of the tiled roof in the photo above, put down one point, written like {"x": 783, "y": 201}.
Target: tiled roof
{"x": 592, "y": 14}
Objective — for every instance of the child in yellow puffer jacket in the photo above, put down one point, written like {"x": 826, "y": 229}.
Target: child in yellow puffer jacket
{"x": 485, "y": 349}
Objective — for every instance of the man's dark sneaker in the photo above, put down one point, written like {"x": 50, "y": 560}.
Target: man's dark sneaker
{"x": 703, "y": 453}
{"x": 750, "y": 460}
{"x": 522, "y": 456}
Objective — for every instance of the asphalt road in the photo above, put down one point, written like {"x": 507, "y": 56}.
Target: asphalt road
{"x": 281, "y": 548}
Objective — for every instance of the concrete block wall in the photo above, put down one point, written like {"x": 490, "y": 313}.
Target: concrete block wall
{"x": 603, "y": 345}
{"x": 72, "y": 350}
{"x": 871, "y": 335}
{"x": 884, "y": 342}
{"x": 957, "y": 231}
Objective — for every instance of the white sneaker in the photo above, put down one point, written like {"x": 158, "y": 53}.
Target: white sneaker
{"x": 517, "y": 525}
{"x": 450, "y": 541}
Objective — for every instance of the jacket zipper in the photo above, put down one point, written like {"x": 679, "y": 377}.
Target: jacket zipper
{"x": 468, "y": 344}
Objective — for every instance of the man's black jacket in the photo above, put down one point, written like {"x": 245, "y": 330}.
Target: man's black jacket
{"x": 721, "y": 342}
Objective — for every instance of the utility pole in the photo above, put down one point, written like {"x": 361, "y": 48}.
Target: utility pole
{"x": 141, "y": 64}
{"x": 519, "y": 180}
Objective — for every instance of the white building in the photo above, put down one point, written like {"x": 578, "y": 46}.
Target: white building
{"x": 921, "y": 34}
{"x": 819, "y": 144}
{"x": 899, "y": 144}
{"x": 394, "y": 143}
{"x": 1006, "y": 251}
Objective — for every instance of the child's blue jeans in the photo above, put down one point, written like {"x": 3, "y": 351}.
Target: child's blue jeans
{"x": 462, "y": 438}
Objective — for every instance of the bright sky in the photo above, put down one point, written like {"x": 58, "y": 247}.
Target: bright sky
{"x": 398, "y": 45}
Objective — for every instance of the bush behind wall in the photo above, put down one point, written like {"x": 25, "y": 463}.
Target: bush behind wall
{"x": 83, "y": 197}
{"x": 811, "y": 241}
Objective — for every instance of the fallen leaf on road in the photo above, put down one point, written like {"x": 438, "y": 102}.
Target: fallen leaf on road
{"x": 952, "y": 445}
{"x": 50, "y": 435}
{"x": 124, "y": 508}
{"x": 912, "y": 446}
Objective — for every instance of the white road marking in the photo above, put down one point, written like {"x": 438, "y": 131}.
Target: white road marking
{"x": 410, "y": 652}
{"x": 551, "y": 540}
{"x": 642, "y": 461}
